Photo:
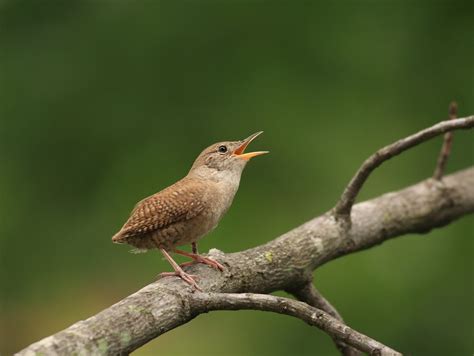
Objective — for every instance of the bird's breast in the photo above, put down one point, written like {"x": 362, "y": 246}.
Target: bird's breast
{"x": 224, "y": 196}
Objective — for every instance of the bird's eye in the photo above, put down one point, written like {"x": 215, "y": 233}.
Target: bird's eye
{"x": 222, "y": 149}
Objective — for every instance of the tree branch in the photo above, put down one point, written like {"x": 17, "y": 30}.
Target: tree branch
{"x": 204, "y": 302}
{"x": 311, "y": 296}
{"x": 446, "y": 147}
{"x": 282, "y": 264}
{"x": 344, "y": 205}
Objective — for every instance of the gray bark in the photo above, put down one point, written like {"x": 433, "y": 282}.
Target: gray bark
{"x": 285, "y": 263}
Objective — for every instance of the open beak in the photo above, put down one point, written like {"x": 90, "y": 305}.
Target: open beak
{"x": 239, "y": 151}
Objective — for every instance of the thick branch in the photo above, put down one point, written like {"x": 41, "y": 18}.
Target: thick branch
{"x": 311, "y": 296}
{"x": 344, "y": 205}
{"x": 282, "y": 264}
{"x": 204, "y": 302}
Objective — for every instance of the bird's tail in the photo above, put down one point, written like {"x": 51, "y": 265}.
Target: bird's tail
{"x": 118, "y": 238}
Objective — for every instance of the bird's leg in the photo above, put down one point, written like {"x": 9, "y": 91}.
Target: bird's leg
{"x": 194, "y": 247}
{"x": 178, "y": 271}
{"x": 200, "y": 259}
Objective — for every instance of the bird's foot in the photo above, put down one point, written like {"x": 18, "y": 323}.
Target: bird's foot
{"x": 188, "y": 278}
{"x": 205, "y": 260}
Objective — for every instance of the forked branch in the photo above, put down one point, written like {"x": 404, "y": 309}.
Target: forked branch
{"x": 281, "y": 264}
{"x": 310, "y": 295}
{"x": 344, "y": 205}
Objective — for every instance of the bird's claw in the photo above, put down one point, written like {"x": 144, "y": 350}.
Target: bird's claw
{"x": 210, "y": 262}
{"x": 204, "y": 260}
{"x": 188, "y": 278}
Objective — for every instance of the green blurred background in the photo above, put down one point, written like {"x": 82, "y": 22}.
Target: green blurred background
{"x": 106, "y": 102}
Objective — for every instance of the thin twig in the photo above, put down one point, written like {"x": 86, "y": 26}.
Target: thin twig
{"x": 310, "y": 295}
{"x": 446, "y": 147}
{"x": 347, "y": 199}
{"x": 204, "y": 302}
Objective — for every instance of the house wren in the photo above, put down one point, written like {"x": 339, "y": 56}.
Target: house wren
{"x": 189, "y": 209}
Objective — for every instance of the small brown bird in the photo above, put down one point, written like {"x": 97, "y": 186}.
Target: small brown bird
{"x": 189, "y": 209}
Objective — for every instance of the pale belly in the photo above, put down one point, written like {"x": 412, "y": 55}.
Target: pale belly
{"x": 186, "y": 232}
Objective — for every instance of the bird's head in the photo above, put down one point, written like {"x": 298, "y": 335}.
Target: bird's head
{"x": 222, "y": 158}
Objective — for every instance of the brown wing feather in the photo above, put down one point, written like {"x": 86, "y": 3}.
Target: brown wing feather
{"x": 180, "y": 201}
